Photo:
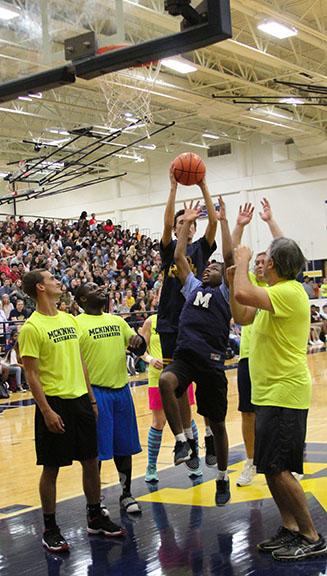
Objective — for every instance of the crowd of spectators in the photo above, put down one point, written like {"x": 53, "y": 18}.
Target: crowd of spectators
{"x": 126, "y": 262}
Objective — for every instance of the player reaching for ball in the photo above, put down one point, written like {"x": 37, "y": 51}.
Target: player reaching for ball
{"x": 172, "y": 300}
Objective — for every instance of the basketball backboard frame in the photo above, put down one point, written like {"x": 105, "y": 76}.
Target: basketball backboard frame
{"x": 215, "y": 27}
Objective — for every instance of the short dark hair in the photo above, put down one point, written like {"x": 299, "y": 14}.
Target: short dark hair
{"x": 79, "y": 294}
{"x": 30, "y": 280}
{"x": 178, "y": 214}
{"x": 287, "y": 257}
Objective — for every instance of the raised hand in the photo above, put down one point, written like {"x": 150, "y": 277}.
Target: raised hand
{"x": 266, "y": 214}
{"x": 245, "y": 214}
{"x": 230, "y": 273}
{"x": 241, "y": 254}
{"x": 191, "y": 213}
{"x": 173, "y": 181}
{"x": 221, "y": 210}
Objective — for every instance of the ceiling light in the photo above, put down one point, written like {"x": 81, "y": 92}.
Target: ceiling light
{"x": 179, "y": 65}
{"x": 3, "y": 174}
{"x": 27, "y": 98}
{"x": 291, "y": 100}
{"x": 276, "y": 29}
{"x": 194, "y": 144}
{"x": 208, "y": 135}
{"x": 36, "y": 95}
{"x": 266, "y": 112}
{"x": 8, "y": 12}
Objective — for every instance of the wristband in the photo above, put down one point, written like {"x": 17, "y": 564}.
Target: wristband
{"x": 148, "y": 358}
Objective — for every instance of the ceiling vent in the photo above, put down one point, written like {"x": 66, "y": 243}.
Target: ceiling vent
{"x": 220, "y": 150}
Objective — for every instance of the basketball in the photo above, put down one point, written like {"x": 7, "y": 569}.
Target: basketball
{"x": 189, "y": 169}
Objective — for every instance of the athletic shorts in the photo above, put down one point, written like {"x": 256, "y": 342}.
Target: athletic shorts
{"x": 279, "y": 439}
{"x": 168, "y": 345}
{"x": 155, "y": 402}
{"x": 116, "y": 424}
{"x": 244, "y": 386}
{"x": 79, "y": 440}
{"x": 211, "y": 385}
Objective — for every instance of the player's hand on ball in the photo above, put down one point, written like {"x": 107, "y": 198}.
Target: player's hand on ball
{"x": 241, "y": 254}
{"x": 245, "y": 214}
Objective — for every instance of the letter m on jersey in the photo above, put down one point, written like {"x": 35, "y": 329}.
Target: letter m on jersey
{"x": 202, "y": 300}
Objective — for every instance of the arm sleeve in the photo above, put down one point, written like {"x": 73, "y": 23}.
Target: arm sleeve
{"x": 167, "y": 253}
{"x": 191, "y": 283}
{"x": 281, "y": 298}
{"x": 141, "y": 349}
{"x": 29, "y": 342}
{"x": 127, "y": 332}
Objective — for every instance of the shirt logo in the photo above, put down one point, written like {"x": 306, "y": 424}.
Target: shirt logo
{"x": 104, "y": 331}
{"x": 173, "y": 271}
{"x": 61, "y": 334}
{"x": 202, "y": 300}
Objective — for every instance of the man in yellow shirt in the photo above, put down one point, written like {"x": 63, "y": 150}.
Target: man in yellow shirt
{"x": 104, "y": 339}
{"x": 281, "y": 389}
{"x": 65, "y": 418}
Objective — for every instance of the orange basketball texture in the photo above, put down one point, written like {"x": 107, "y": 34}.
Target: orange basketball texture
{"x": 189, "y": 169}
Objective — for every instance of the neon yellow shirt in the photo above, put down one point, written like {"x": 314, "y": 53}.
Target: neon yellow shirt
{"x": 278, "y": 349}
{"x": 155, "y": 351}
{"x": 246, "y": 330}
{"x": 54, "y": 340}
{"x": 323, "y": 291}
{"x": 103, "y": 344}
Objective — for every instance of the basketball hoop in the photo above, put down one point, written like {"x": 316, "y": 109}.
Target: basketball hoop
{"x": 127, "y": 92}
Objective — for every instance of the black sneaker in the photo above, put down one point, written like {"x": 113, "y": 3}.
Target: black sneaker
{"x": 103, "y": 525}
{"x": 283, "y": 537}
{"x": 222, "y": 492}
{"x": 193, "y": 464}
{"x": 182, "y": 452}
{"x": 210, "y": 458}
{"x": 54, "y": 541}
{"x": 300, "y": 548}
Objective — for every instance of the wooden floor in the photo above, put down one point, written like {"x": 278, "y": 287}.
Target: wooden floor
{"x": 19, "y": 475}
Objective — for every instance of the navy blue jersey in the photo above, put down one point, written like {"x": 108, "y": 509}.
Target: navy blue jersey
{"x": 204, "y": 322}
{"x": 171, "y": 299}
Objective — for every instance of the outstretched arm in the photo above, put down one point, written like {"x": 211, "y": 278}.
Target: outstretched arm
{"x": 211, "y": 229}
{"x": 244, "y": 218}
{"x": 267, "y": 216}
{"x": 183, "y": 267}
{"x": 226, "y": 239}
{"x": 245, "y": 292}
{"x": 169, "y": 211}
{"x": 242, "y": 314}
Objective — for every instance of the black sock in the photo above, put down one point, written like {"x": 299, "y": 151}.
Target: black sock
{"x": 124, "y": 468}
{"x": 49, "y": 521}
{"x": 94, "y": 510}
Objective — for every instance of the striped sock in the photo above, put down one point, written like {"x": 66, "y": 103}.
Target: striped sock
{"x": 195, "y": 436}
{"x": 154, "y": 443}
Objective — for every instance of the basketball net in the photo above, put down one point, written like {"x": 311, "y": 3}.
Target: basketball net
{"x": 127, "y": 93}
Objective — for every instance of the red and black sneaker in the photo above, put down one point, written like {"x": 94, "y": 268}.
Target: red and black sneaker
{"x": 54, "y": 541}
{"x": 103, "y": 525}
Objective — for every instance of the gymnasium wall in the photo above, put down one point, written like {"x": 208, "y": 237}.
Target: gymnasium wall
{"x": 297, "y": 191}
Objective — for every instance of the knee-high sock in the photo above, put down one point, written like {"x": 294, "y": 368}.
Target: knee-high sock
{"x": 124, "y": 469}
{"x": 195, "y": 435}
{"x": 154, "y": 443}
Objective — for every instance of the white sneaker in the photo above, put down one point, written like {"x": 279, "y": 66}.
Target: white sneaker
{"x": 248, "y": 473}
{"x": 298, "y": 476}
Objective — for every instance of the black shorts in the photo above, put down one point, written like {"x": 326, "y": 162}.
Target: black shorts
{"x": 211, "y": 385}
{"x": 168, "y": 345}
{"x": 244, "y": 386}
{"x": 279, "y": 439}
{"x": 79, "y": 441}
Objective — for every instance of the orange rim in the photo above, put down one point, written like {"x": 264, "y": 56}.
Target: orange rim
{"x": 113, "y": 47}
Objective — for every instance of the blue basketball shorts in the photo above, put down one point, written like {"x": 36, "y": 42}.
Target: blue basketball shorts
{"x": 116, "y": 425}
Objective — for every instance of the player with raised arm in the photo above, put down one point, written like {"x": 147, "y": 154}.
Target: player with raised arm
{"x": 171, "y": 299}
{"x": 201, "y": 349}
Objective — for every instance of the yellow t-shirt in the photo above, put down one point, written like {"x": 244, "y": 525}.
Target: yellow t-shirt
{"x": 103, "y": 344}
{"x": 278, "y": 349}
{"x": 130, "y": 301}
{"x": 246, "y": 330}
{"x": 323, "y": 291}
{"x": 54, "y": 340}
{"x": 155, "y": 351}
